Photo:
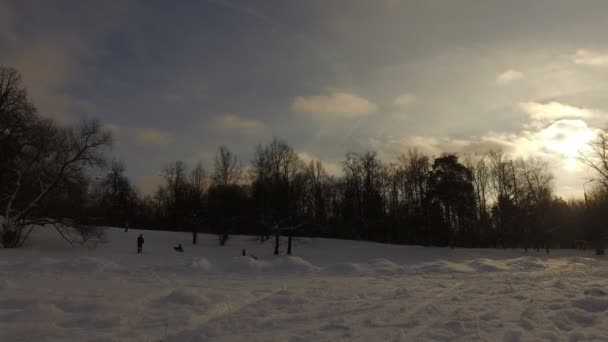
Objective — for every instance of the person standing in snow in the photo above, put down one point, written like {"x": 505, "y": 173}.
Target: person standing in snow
{"x": 140, "y": 243}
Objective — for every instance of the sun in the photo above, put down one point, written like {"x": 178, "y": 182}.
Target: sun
{"x": 566, "y": 138}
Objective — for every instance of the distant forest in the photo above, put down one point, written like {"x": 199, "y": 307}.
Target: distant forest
{"x": 481, "y": 200}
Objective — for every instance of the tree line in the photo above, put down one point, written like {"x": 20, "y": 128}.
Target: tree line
{"x": 479, "y": 200}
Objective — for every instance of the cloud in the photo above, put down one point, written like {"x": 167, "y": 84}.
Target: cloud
{"x": 141, "y": 135}
{"x": 562, "y": 139}
{"x": 116, "y": 130}
{"x": 336, "y": 104}
{"x": 205, "y": 156}
{"x": 332, "y": 168}
{"x": 148, "y": 184}
{"x": 48, "y": 53}
{"x": 240, "y": 8}
{"x": 432, "y": 145}
{"x": 47, "y": 66}
{"x": 152, "y": 136}
{"x": 508, "y": 76}
{"x": 557, "y": 133}
{"x": 7, "y": 19}
{"x": 231, "y": 121}
{"x": 588, "y": 57}
{"x": 404, "y": 100}
{"x": 544, "y": 113}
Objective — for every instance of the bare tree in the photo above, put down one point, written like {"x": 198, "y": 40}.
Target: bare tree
{"x": 416, "y": 167}
{"x": 117, "y": 196}
{"x": 199, "y": 179}
{"x": 227, "y": 169}
{"x": 478, "y": 164}
{"x": 176, "y": 189}
{"x": 47, "y": 157}
{"x": 198, "y": 185}
{"x": 597, "y": 158}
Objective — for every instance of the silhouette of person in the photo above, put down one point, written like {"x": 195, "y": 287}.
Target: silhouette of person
{"x": 140, "y": 243}
{"x": 179, "y": 248}
{"x": 244, "y": 252}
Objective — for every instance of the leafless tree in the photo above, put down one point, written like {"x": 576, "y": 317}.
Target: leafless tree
{"x": 47, "y": 157}
{"x": 279, "y": 180}
{"x": 597, "y": 158}
{"x": 478, "y": 164}
{"x": 198, "y": 185}
{"x": 175, "y": 177}
{"x": 227, "y": 169}
{"x": 199, "y": 180}
{"x": 175, "y": 190}
{"x": 416, "y": 167}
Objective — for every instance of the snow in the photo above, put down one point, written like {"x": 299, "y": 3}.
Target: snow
{"x": 328, "y": 290}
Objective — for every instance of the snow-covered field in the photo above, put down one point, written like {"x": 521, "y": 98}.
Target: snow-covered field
{"x": 329, "y": 290}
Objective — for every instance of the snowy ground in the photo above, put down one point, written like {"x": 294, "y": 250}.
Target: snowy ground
{"x": 329, "y": 290}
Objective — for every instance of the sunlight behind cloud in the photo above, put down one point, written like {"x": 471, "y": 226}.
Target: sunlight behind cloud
{"x": 338, "y": 104}
{"x": 587, "y": 57}
{"x": 232, "y": 121}
{"x": 152, "y": 136}
{"x": 404, "y": 100}
{"x": 509, "y": 76}
{"x": 558, "y": 131}
{"x": 566, "y": 137}
{"x": 541, "y": 113}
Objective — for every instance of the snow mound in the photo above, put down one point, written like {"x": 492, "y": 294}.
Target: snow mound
{"x": 595, "y": 292}
{"x": 85, "y": 265}
{"x": 567, "y": 320}
{"x": 558, "y": 284}
{"x": 525, "y": 264}
{"x": 289, "y": 264}
{"x": 345, "y": 268}
{"x": 487, "y": 265}
{"x": 376, "y": 267}
{"x": 591, "y": 304}
{"x": 444, "y": 267}
{"x": 183, "y": 297}
{"x": 80, "y": 264}
{"x": 386, "y": 267}
{"x": 581, "y": 260}
{"x": 512, "y": 336}
{"x": 245, "y": 264}
{"x": 293, "y": 264}
{"x": 201, "y": 264}
{"x": 78, "y": 306}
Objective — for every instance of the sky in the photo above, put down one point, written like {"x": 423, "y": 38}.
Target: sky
{"x": 173, "y": 80}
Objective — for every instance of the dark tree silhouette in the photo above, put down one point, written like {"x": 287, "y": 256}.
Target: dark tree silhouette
{"x": 451, "y": 188}
{"x": 38, "y": 158}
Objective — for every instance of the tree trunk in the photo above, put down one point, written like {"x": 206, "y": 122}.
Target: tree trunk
{"x": 276, "y": 244}
{"x": 194, "y": 237}
{"x": 289, "y": 245}
{"x": 9, "y": 237}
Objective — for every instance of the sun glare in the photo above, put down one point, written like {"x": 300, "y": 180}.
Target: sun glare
{"x": 566, "y": 139}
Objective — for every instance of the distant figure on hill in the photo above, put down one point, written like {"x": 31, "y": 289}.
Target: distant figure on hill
{"x": 140, "y": 243}
{"x": 179, "y": 248}
{"x": 244, "y": 252}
